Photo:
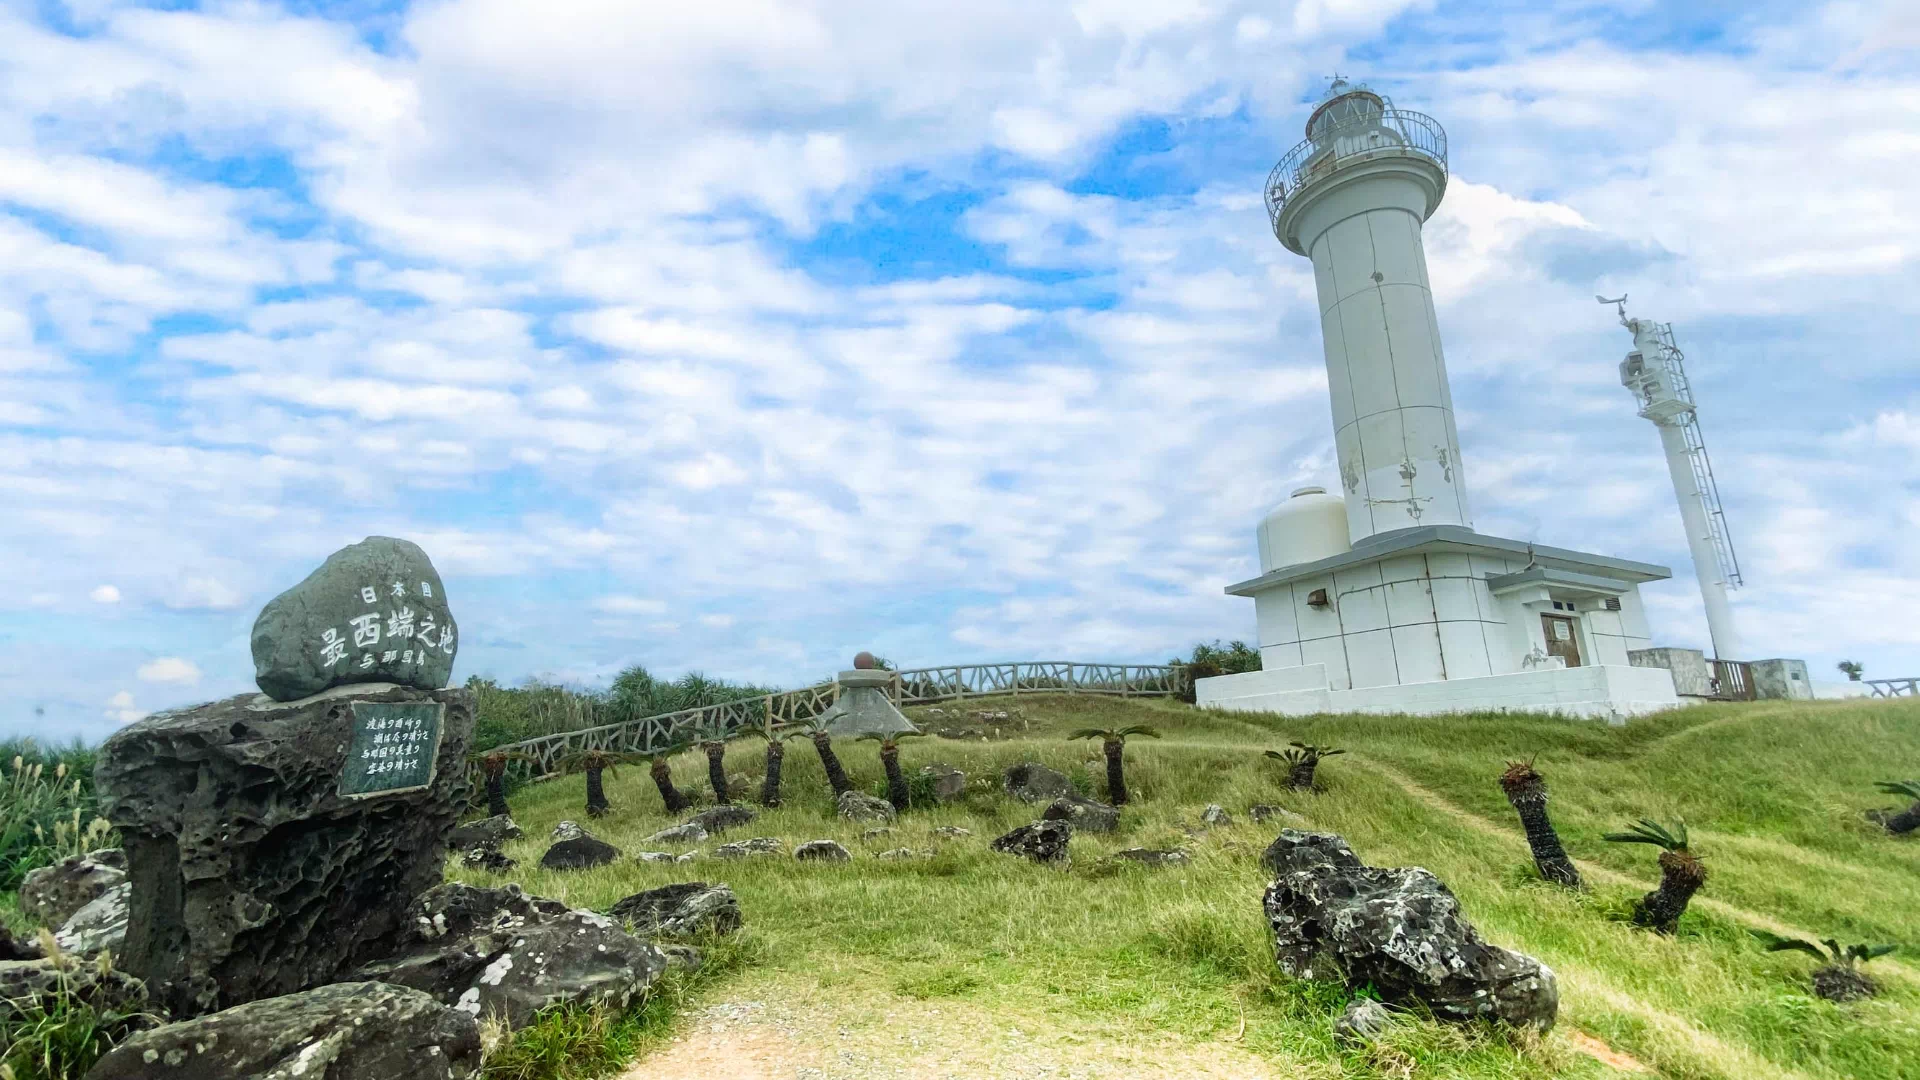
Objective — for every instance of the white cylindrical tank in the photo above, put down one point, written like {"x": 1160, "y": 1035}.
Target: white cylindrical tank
{"x": 1311, "y": 525}
{"x": 1366, "y": 179}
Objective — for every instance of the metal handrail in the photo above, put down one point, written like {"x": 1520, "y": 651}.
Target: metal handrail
{"x": 1890, "y": 688}
{"x": 1340, "y": 145}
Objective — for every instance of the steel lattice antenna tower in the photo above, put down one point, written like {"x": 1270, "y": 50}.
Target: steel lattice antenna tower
{"x": 1656, "y": 373}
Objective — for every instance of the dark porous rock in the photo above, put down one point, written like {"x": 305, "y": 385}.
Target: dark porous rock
{"x": 1215, "y": 814}
{"x": 580, "y": 853}
{"x": 485, "y": 857}
{"x": 681, "y": 910}
{"x": 492, "y": 831}
{"x": 721, "y": 818}
{"x": 822, "y": 851}
{"x": 1154, "y": 857}
{"x": 565, "y": 830}
{"x": 253, "y": 875}
{"x": 949, "y": 783}
{"x": 1400, "y": 930}
{"x": 374, "y": 612}
{"x": 746, "y": 849}
{"x": 1087, "y": 815}
{"x": 34, "y": 988}
{"x": 13, "y": 948}
{"x": 1363, "y": 1019}
{"x": 1041, "y": 841}
{"x": 51, "y": 894}
{"x": 500, "y": 952}
{"x": 952, "y": 831}
{"x": 1295, "y": 850}
{"x": 681, "y": 835}
{"x": 100, "y": 927}
{"x": 1033, "y": 782}
{"x": 1262, "y": 812}
{"x": 859, "y": 806}
{"x": 684, "y": 957}
{"x": 349, "y": 1031}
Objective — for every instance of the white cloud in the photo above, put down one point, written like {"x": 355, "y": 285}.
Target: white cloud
{"x": 170, "y": 669}
{"x": 630, "y": 605}
{"x": 105, "y": 594}
{"x": 121, "y": 710}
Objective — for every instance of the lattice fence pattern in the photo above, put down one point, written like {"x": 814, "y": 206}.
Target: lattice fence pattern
{"x": 1893, "y": 687}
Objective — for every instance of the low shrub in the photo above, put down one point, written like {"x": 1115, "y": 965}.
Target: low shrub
{"x": 46, "y": 811}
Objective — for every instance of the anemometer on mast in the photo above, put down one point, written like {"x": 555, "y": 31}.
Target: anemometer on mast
{"x": 1655, "y": 371}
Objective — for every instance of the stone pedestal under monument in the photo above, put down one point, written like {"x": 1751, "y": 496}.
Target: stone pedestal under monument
{"x": 274, "y": 846}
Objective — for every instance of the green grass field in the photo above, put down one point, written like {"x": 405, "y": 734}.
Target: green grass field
{"x": 1132, "y": 972}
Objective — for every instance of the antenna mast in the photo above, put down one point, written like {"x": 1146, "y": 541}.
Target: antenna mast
{"x": 1656, "y": 373}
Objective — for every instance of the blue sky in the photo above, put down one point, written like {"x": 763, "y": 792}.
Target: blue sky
{"x": 744, "y": 335}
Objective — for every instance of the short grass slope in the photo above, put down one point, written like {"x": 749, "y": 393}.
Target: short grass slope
{"x": 979, "y": 956}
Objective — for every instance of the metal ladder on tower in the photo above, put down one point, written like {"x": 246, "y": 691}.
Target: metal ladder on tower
{"x": 1696, "y": 444}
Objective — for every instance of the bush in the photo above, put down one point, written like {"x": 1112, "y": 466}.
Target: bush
{"x": 1208, "y": 661}
{"x": 46, "y": 809}
{"x": 60, "y": 1037}
{"x": 505, "y": 715}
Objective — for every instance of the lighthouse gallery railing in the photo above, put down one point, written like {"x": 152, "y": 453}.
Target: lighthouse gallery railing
{"x": 1388, "y": 133}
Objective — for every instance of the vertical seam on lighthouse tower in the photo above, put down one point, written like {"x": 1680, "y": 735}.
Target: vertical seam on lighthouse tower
{"x": 1386, "y": 331}
{"x": 1346, "y": 366}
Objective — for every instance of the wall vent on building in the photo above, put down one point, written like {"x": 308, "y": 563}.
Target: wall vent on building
{"x": 1317, "y": 598}
{"x": 1613, "y": 603}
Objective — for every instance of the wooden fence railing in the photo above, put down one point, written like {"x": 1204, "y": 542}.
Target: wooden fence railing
{"x": 919, "y": 686}
{"x": 1893, "y": 687}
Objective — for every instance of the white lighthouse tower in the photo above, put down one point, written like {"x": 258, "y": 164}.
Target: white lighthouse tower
{"x": 1353, "y": 198}
{"x": 1383, "y": 598}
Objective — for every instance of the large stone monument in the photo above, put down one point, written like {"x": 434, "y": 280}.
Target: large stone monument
{"x": 273, "y": 841}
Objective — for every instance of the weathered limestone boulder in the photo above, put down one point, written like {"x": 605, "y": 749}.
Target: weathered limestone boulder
{"x": 38, "y": 986}
{"x": 681, "y": 956}
{"x": 1215, "y": 815}
{"x": 374, "y": 612}
{"x": 51, "y": 894}
{"x": 256, "y": 871}
{"x": 348, "y": 1031}
{"x": 661, "y": 856}
{"x": 566, "y": 830}
{"x": 1033, "y": 782}
{"x": 99, "y": 927}
{"x": 1086, "y": 815}
{"x": 822, "y": 851}
{"x": 747, "y": 849}
{"x": 903, "y": 853}
{"x": 583, "y": 852}
{"x": 876, "y": 834}
{"x": 859, "y": 806}
{"x": 1263, "y": 812}
{"x": 1363, "y": 1019}
{"x": 678, "y": 835}
{"x": 952, "y": 832}
{"x": 491, "y": 831}
{"x": 1041, "y": 841}
{"x": 1398, "y": 929}
{"x": 681, "y": 910}
{"x": 12, "y": 948}
{"x": 500, "y": 952}
{"x": 484, "y": 857}
{"x": 1154, "y": 857}
{"x": 718, "y": 819}
{"x": 949, "y": 783}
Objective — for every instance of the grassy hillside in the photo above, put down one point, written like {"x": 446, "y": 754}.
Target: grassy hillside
{"x": 880, "y": 968}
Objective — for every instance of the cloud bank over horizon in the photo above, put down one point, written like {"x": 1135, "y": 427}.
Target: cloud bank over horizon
{"x": 742, "y": 336}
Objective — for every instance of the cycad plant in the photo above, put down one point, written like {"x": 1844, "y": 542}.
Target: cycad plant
{"x": 594, "y": 763}
{"x": 493, "y": 765}
{"x": 1905, "y": 821}
{"x": 662, "y": 774}
{"x": 717, "y": 769}
{"x": 1113, "y": 742}
{"x": 776, "y": 756}
{"x": 1301, "y": 761}
{"x": 1838, "y": 978}
{"x": 1681, "y": 874}
{"x": 816, "y": 730}
{"x": 890, "y": 762}
{"x": 1526, "y": 789}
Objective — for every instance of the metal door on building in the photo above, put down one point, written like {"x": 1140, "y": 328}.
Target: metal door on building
{"x": 1561, "y": 640}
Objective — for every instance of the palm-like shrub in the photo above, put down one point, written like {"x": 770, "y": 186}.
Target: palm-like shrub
{"x": 776, "y": 757}
{"x": 1301, "y": 761}
{"x": 1681, "y": 874}
{"x": 1851, "y": 669}
{"x": 594, "y": 763}
{"x": 1838, "y": 978}
{"x": 493, "y": 765}
{"x": 1899, "y": 824}
{"x": 1526, "y": 789}
{"x": 717, "y": 769}
{"x": 1113, "y": 742}
{"x": 662, "y": 773}
{"x": 897, "y": 793}
{"x": 816, "y": 730}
